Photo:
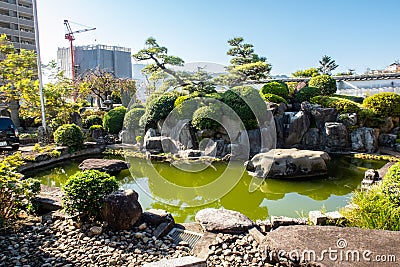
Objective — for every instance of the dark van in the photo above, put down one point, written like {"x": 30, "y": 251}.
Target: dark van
{"x": 8, "y": 134}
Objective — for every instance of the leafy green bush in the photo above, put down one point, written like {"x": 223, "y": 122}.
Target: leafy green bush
{"x": 84, "y": 193}
{"x": 15, "y": 194}
{"x": 325, "y": 83}
{"x": 132, "y": 118}
{"x": 276, "y": 88}
{"x": 95, "y": 127}
{"x": 92, "y": 120}
{"x": 345, "y": 106}
{"x": 342, "y": 105}
{"x": 357, "y": 99}
{"x": 157, "y": 109}
{"x": 202, "y": 117}
{"x": 306, "y": 93}
{"x": 69, "y": 135}
{"x": 237, "y": 99}
{"x": 384, "y": 104}
{"x": 114, "y": 120}
{"x": 369, "y": 118}
{"x": 90, "y": 112}
{"x": 274, "y": 98}
{"x": 379, "y": 207}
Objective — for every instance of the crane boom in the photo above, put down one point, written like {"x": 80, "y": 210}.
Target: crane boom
{"x": 69, "y": 35}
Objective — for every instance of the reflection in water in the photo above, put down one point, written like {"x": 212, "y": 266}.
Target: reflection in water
{"x": 274, "y": 197}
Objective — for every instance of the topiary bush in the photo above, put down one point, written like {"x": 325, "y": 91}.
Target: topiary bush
{"x": 157, "y": 109}
{"x": 69, "y": 135}
{"x": 276, "y": 88}
{"x": 92, "y": 120}
{"x": 340, "y": 104}
{"x": 84, "y": 193}
{"x": 384, "y": 104}
{"x": 132, "y": 118}
{"x": 114, "y": 120}
{"x": 237, "y": 99}
{"x": 202, "y": 117}
{"x": 306, "y": 93}
{"x": 369, "y": 118}
{"x": 325, "y": 83}
{"x": 345, "y": 106}
{"x": 274, "y": 98}
{"x": 90, "y": 112}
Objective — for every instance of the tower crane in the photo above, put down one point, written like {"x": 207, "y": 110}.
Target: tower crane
{"x": 69, "y": 35}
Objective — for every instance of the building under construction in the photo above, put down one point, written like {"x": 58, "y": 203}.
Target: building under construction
{"x": 114, "y": 59}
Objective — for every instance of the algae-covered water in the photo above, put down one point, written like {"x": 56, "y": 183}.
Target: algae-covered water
{"x": 163, "y": 185}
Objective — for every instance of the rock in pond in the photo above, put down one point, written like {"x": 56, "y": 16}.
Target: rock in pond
{"x": 223, "y": 221}
{"x": 121, "y": 209}
{"x": 105, "y": 165}
{"x": 289, "y": 163}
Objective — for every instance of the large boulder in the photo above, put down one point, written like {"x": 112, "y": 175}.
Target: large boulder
{"x": 312, "y": 139}
{"x": 364, "y": 140}
{"x": 157, "y": 216}
{"x": 160, "y": 144}
{"x": 289, "y": 163}
{"x": 388, "y": 140}
{"x": 323, "y": 115}
{"x": 106, "y": 165}
{"x": 121, "y": 209}
{"x": 223, "y": 221}
{"x": 336, "y": 137}
{"x": 296, "y": 126}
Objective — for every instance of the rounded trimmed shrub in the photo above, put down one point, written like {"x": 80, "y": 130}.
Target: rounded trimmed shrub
{"x": 276, "y": 88}
{"x": 342, "y": 105}
{"x": 325, "y": 83}
{"x": 132, "y": 118}
{"x": 158, "y": 108}
{"x": 274, "y": 98}
{"x": 69, "y": 135}
{"x": 114, "y": 119}
{"x": 84, "y": 193}
{"x": 96, "y": 127}
{"x": 345, "y": 106}
{"x": 236, "y": 99}
{"x": 201, "y": 118}
{"x": 384, "y": 104}
{"x": 306, "y": 93}
{"x": 92, "y": 120}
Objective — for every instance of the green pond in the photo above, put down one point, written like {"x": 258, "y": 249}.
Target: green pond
{"x": 184, "y": 191}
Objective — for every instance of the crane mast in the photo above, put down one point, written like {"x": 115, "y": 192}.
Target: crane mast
{"x": 69, "y": 35}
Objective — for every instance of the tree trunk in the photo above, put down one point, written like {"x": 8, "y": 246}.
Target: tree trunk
{"x": 14, "y": 110}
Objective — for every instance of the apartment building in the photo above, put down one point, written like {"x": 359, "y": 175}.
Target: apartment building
{"x": 16, "y": 21}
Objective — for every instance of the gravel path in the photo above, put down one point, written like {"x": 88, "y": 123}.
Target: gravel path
{"x": 62, "y": 243}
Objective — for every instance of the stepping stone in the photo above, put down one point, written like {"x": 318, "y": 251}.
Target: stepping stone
{"x": 223, "y": 221}
{"x": 188, "y": 261}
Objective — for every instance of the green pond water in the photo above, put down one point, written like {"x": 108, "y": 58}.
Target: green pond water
{"x": 185, "y": 190}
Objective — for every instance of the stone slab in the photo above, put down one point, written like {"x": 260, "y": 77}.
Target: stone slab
{"x": 344, "y": 243}
{"x": 188, "y": 261}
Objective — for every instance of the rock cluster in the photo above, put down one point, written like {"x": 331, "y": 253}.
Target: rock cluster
{"x": 62, "y": 243}
{"x": 241, "y": 250}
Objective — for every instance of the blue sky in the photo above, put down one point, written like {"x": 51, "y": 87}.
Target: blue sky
{"x": 292, "y": 34}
